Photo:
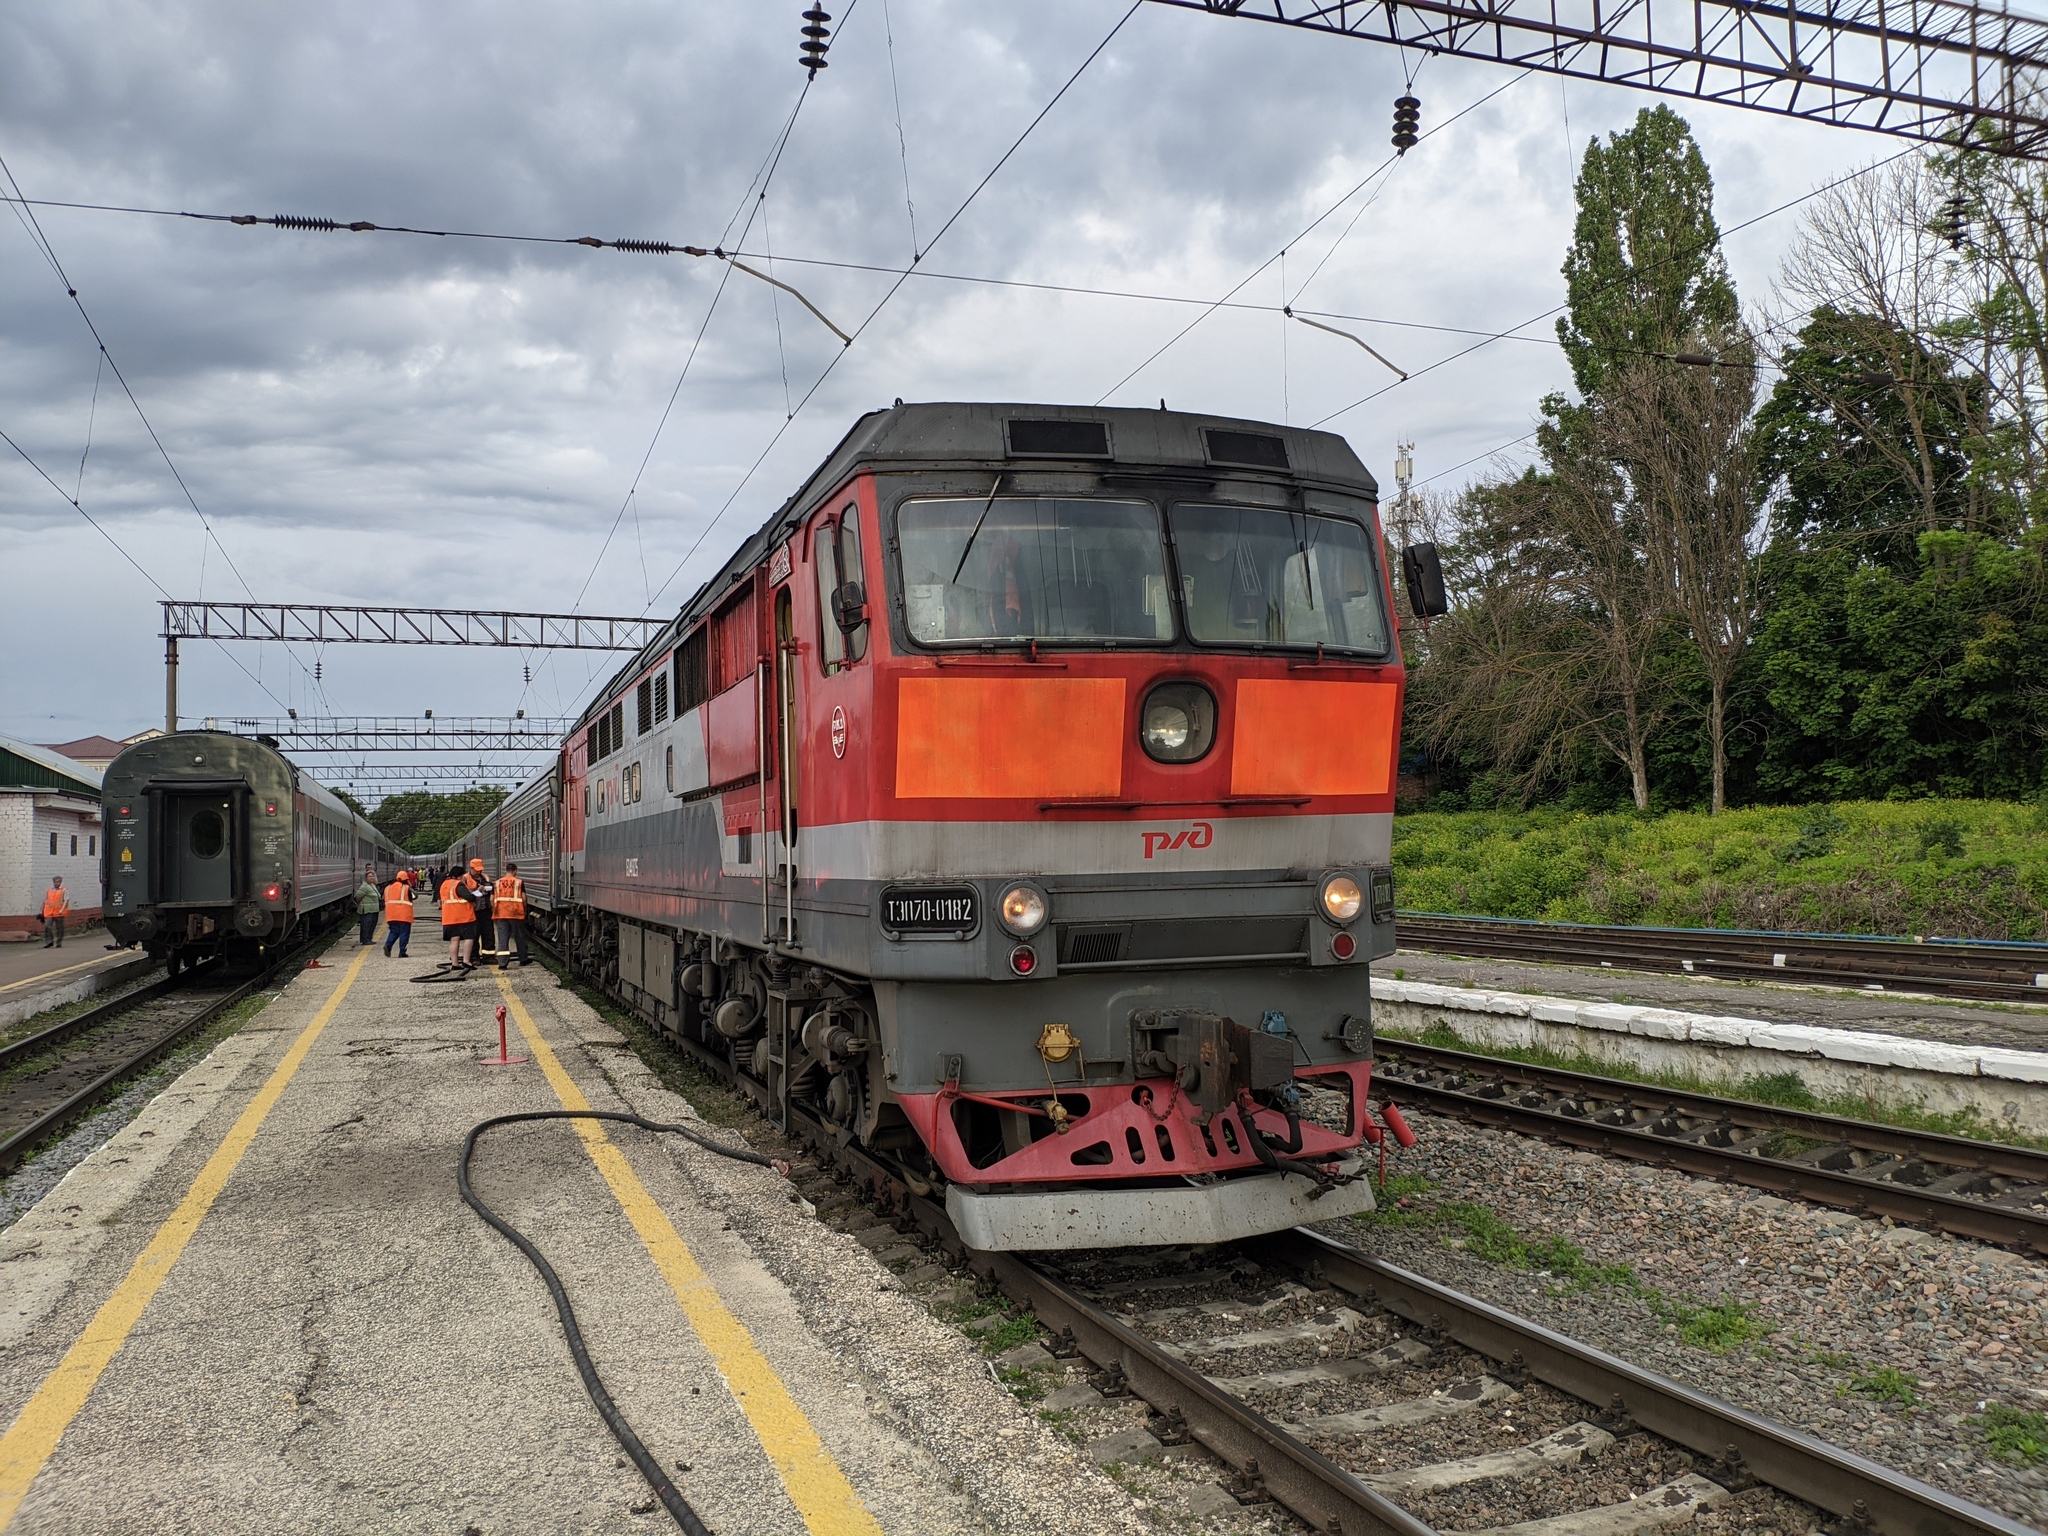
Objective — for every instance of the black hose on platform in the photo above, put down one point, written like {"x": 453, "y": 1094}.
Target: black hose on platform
{"x": 664, "y": 1490}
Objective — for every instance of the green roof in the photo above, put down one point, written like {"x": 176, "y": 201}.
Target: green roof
{"x": 25, "y": 767}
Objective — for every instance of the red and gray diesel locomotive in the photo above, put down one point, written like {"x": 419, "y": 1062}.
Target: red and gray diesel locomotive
{"x": 1017, "y": 801}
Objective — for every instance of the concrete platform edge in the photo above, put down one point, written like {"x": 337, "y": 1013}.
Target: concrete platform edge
{"x": 2008, "y": 1087}
{"x": 76, "y": 989}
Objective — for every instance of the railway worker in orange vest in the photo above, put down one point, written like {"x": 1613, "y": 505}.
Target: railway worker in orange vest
{"x": 398, "y": 915}
{"x": 56, "y": 907}
{"x": 508, "y": 912}
{"x": 458, "y": 924}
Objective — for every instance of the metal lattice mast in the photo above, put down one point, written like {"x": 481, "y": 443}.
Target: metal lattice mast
{"x": 1920, "y": 69}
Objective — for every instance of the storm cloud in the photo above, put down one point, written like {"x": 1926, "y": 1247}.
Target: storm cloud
{"x": 376, "y": 418}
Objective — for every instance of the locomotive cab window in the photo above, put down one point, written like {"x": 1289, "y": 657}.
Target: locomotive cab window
{"x": 1019, "y": 568}
{"x": 1259, "y": 576}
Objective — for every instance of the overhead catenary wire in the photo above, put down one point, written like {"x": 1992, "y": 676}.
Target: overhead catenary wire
{"x": 1557, "y": 309}
{"x": 1378, "y": 171}
{"x": 24, "y": 210}
{"x": 929, "y": 274}
{"x": 893, "y": 289}
{"x": 750, "y": 205}
{"x": 141, "y": 570}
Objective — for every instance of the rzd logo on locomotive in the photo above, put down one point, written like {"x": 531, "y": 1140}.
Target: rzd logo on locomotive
{"x": 1200, "y": 835}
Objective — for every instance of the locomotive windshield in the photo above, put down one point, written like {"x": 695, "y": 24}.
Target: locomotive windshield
{"x": 1033, "y": 568}
{"x": 1252, "y": 575}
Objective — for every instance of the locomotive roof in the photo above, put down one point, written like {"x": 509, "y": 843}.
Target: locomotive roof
{"x": 972, "y": 435}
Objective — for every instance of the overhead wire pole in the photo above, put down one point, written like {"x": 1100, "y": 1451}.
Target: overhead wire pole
{"x": 344, "y": 623}
{"x": 1919, "y": 69}
{"x": 402, "y": 733}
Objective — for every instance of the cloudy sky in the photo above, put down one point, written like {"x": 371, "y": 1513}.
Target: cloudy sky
{"x": 388, "y": 418}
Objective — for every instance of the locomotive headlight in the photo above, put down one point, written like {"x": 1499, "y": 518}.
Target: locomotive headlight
{"x": 1022, "y": 910}
{"x": 1177, "y": 723}
{"x": 1341, "y": 898}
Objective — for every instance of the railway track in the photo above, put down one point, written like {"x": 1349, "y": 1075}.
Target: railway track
{"x": 1977, "y": 1189}
{"x": 1291, "y": 1358}
{"x": 52, "y": 1079}
{"x": 1944, "y": 967}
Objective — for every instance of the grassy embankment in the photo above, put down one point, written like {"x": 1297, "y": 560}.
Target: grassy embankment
{"x": 1948, "y": 868}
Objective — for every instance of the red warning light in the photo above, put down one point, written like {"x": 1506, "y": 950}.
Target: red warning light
{"x": 271, "y": 893}
{"x": 1343, "y": 946}
{"x": 270, "y": 807}
{"x": 1023, "y": 959}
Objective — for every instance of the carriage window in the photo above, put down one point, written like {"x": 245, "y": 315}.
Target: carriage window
{"x": 1254, "y": 576}
{"x": 209, "y": 835}
{"x": 1033, "y": 568}
{"x": 831, "y": 639}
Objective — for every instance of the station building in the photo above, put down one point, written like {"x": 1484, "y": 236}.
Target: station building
{"x": 49, "y": 825}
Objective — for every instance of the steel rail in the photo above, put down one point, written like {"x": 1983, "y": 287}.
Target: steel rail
{"x": 1871, "y": 1499}
{"x": 30, "y": 1046}
{"x": 1956, "y": 968}
{"x": 1593, "y": 1129}
{"x": 17, "y": 1147}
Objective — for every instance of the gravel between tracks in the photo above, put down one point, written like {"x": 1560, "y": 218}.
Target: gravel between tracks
{"x": 1843, "y": 1298}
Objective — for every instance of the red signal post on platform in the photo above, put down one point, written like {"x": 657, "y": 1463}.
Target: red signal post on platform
{"x": 501, "y": 1059}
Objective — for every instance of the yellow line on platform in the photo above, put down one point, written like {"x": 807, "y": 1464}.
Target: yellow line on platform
{"x": 816, "y": 1484}
{"x": 32, "y": 1438}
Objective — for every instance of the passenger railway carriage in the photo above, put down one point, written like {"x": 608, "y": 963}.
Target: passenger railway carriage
{"x": 219, "y": 845}
{"x": 1019, "y": 800}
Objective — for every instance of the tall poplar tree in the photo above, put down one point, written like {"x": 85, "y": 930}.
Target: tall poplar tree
{"x": 1645, "y": 271}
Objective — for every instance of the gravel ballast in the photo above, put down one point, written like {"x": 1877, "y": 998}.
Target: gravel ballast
{"x": 1850, "y": 1316}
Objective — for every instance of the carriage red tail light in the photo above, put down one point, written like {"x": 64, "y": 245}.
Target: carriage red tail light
{"x": 271, "y": 893}
{"x": 1023, "y": 959}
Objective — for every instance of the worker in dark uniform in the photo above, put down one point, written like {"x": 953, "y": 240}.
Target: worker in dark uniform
{"x": 476, "y": 889}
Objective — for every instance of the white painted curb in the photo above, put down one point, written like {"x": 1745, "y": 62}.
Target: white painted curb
{"x": 2002, "y": 1084}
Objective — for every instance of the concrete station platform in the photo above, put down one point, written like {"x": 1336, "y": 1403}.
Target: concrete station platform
{"x": 33, "y": 978}
{"x": 263, "y": 1307}
{"x": 2014, "y": 1026}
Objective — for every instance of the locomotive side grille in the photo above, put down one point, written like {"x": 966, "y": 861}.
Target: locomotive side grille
{"x": 1093, "y": 946}
{"x": 1216, "y": 938}
{"x": 1188, "y": 941}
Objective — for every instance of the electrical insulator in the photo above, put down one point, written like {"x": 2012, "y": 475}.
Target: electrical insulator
{"x": 316, "y": 670}
{"x": 528, "y": 670}
{"x": 1953, "y": 222}
{"x": 816, "y": 39}
{"x": 1407, "y": 118}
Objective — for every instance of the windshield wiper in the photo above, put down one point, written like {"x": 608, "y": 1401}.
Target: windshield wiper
{"x": 975, "y": 532}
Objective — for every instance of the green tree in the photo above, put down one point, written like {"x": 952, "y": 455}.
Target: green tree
{"x": 422, "y": 822}
{"x": 1645, "y": 271}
